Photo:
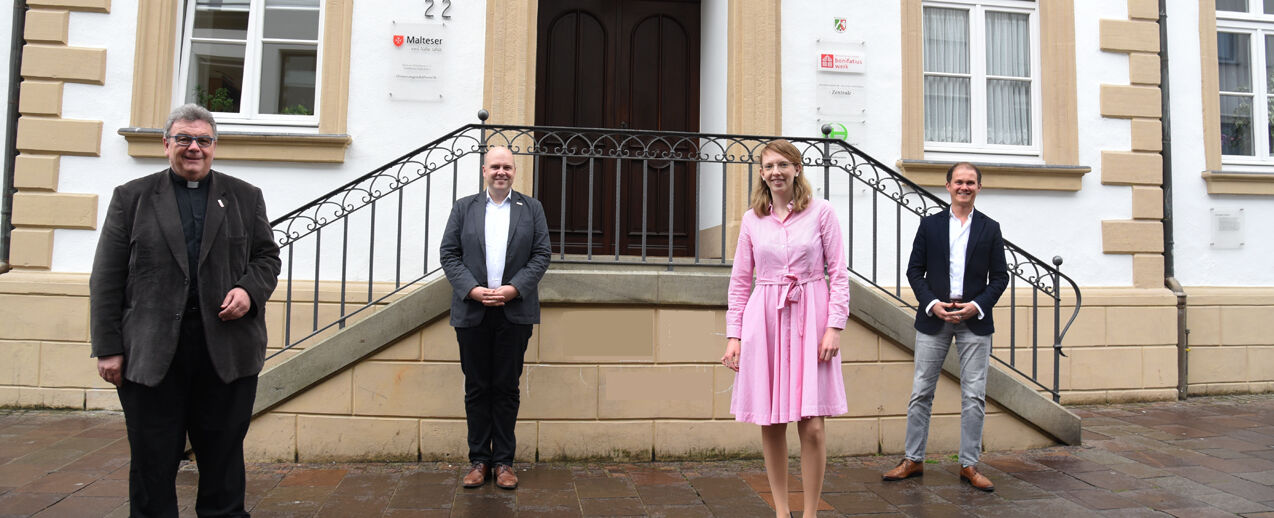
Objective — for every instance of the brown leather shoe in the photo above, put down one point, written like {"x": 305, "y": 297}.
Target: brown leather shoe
{"x": 477, "y": 475}
{"x": 975, "y": 479}
{"x": 505, "y": 478}
{"x": 906, "y": 469}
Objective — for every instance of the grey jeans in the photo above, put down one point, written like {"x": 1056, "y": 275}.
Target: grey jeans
{"x": 931, "y": 351}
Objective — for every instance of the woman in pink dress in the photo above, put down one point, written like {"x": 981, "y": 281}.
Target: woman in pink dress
{"x": 783, "y": 338}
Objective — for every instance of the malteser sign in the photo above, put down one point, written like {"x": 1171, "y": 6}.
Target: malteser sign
{"x": 400, "y": 40}
{"x": 841, "y": 62}
{"x": 419, "y": 50}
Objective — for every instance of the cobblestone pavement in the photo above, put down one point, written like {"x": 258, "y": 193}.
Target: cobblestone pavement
{"x": 1211, "y": 456}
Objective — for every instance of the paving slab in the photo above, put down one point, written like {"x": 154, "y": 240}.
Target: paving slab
{"x": 1205, "y": 457}
{"x": 668, "y": 494}
{"x": 1099, "y": 499}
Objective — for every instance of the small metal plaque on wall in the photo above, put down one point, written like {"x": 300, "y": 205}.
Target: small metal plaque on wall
{"x": 1227, "y": 228}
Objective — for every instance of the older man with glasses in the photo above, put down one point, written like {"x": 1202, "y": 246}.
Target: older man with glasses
{"x": 185, "y": 263}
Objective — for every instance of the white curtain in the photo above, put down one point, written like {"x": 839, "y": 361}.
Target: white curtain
{"x": 1008, "y": 101}
{"x": 946, "y": 96}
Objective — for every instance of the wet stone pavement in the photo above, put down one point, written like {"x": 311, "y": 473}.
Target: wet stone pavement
{"x": 1211, "y": 456}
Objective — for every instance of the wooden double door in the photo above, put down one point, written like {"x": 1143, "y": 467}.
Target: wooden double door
{"x": 622, "y": 64}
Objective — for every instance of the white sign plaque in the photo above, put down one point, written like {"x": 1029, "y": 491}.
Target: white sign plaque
{"x": 418, "y": 53}
{"x": 843, "y": 62}
{"x": 844, "y": 100}
{"x": 1227, "y": 228}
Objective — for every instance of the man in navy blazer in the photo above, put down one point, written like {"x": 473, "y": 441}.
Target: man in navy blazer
{"x": 494, "y": 251}
{"x": 957, "y": 272}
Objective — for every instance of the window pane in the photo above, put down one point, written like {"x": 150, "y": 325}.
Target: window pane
{"x": 947, "y": 109}
{"x": 1234, "y": 62}
{"x": 1269, "y": 6}
{"x": 1236, "y": 125}
{"x": 1232, "y": 5}
{"x": 1008, "y": 44}
{"x": 1269, "y": 105}
{"x": 1008, "y": 112}
{"x": 946, "y": 40}
{"x": 287, "y": 79}
{"x": 223, "y": 20}
{"x": 1269, "y": 64}
{"x": 284, "y": 21}
{"x": 216, "y": 76}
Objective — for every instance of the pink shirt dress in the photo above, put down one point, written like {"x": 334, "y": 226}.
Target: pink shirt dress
{"x": 781, "y": 321}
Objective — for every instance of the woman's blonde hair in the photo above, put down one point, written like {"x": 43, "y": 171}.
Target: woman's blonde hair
{"x": 801, "y": 190}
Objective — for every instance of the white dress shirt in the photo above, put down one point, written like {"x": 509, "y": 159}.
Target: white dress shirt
{"x": 497, "y": 238}
{"x": 958, "y": 246}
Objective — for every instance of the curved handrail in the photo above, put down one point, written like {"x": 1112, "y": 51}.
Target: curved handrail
{"x": 660, "y": 148}
{"x": 370, "y": 194}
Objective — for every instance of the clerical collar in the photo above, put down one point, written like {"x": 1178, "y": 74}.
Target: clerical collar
{"x": 178, "y": 180}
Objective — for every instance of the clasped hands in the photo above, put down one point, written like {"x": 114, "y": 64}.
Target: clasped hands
{"x": 493, "y": 297}
{"x": 955, "y": 312}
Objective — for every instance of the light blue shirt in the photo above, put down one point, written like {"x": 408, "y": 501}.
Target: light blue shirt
{"x": 497, "y": 236}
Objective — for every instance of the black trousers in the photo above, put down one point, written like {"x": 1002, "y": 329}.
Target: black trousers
{"x": 192, "y": 400}
{"x": 491, "y": 356}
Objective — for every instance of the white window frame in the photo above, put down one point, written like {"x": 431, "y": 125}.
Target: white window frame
{"x": 249, "y": 104}
{"x": 1257, "y": 26}
{"x": 978, "y": 78}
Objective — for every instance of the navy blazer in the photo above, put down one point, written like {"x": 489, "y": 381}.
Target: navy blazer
{"x": 464, "y": 258}
{"x": 986, "y": 273}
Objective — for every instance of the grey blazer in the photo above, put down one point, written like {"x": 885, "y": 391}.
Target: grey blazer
{"x": 137, "y": 290}
{"x": 463, "y": 256}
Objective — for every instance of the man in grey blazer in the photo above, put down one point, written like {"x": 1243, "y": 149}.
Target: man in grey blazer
{"x": 494, "y": 250}
{"x": 185, "y": 263}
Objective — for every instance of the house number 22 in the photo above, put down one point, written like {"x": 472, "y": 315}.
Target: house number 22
{"x": 430, "y": 5}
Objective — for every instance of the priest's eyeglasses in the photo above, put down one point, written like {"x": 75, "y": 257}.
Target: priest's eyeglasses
{"x": 184, "y": 140}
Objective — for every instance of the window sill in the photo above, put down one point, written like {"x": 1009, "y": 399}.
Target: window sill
{"x": 1227, "y": 182}
{"x": 1000, "y": 176}
{"x": 237, "y": 145}
{"x": 937, "y": 151}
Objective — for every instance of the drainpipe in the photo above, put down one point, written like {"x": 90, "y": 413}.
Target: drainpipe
{"x": 11, "y": 129}
{"x": 1169, "y": 266}
{"x": 1183, "y": 339}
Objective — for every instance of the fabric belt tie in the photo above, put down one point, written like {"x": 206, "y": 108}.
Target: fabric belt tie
{"x": 793, "y": 287}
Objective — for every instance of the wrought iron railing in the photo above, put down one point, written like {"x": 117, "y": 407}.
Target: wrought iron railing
{"x": 621, "y": 196}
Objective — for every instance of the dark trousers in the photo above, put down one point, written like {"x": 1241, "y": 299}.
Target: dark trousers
{"x": 491, "y": 356}
{"x": 192, "y": 400}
